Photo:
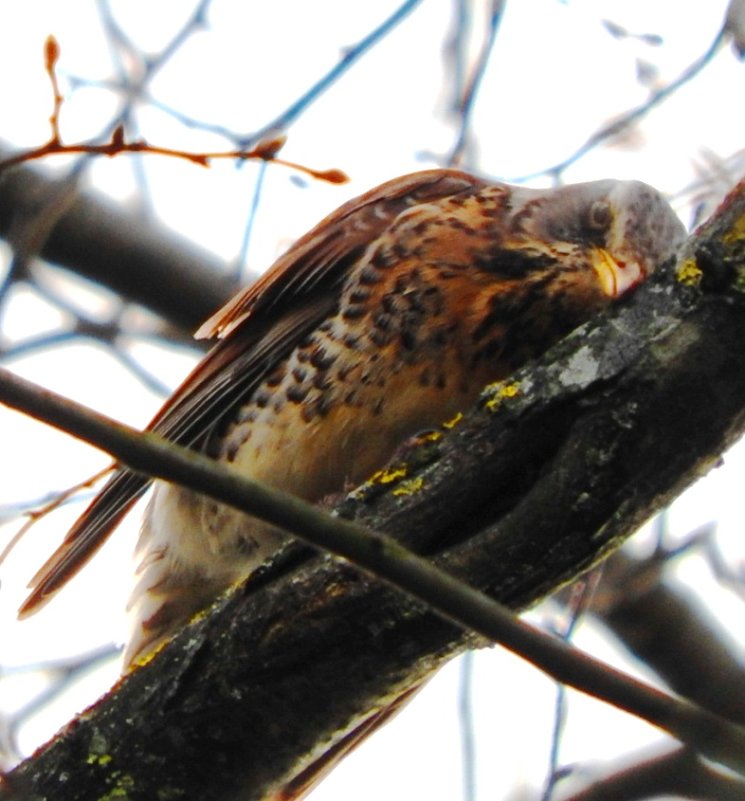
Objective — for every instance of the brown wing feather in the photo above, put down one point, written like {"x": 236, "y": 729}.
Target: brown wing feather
{"x": 257, "y": 328}
{"x": 234, "y": 369}
{"x": 352, "y": 226}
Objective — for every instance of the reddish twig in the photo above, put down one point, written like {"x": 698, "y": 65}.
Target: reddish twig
{"x": 266, "y": 150}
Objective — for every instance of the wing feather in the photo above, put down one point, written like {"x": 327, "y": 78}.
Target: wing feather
{"x": 256, "y": 330}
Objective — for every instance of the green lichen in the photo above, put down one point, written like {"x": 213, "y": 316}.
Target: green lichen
{"x": 98, "y": 750}
{"x": 99, "y": 759}
{"x": 123, "y": 785}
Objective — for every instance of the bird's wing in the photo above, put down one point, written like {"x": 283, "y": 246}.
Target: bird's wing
{"x": 256, "y": 329}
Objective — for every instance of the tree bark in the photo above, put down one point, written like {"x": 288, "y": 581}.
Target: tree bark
{"x": 547, "y": 476}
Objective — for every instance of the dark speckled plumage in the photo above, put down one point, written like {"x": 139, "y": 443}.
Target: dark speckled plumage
{"x": 385, "y": 319}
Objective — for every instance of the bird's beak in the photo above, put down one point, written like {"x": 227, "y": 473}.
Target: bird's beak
{"x": 615, "y": 276}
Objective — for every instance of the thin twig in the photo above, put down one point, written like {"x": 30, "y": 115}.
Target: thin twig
{"x": 467, "y": 729}
{"x": 621, "y": 123}
{"x": 467, "y": 100}
{"x": 292, "y": 112}
{"x": 60, "y": 674}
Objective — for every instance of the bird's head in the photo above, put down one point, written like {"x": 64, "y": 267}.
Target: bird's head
{"x": 628, "y": 227}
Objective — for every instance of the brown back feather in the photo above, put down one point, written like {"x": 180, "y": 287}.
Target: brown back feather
{"x": 257, "y": 329}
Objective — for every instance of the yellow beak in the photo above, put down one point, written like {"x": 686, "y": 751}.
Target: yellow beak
{"x": 616, "y": 277}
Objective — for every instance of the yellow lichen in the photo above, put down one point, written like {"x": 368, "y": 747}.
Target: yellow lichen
{"x": 736, "y": 231}
{"x": 499, "y": 392}
{"x": 689, "y": 273}
{"x": 410, "y": 487}
{"x": 388, "y": 475}
{"x": 205, "y": 612}
{"x": 146, "y": 657}
{"x": 453, "y": 421}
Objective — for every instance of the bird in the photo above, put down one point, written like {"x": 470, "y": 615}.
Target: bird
{"x": 384, "y": 320}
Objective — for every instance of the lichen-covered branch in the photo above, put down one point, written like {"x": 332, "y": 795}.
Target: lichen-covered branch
{"x": 554, "y": 469}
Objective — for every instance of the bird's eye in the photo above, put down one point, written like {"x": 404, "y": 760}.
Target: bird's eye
{"x": 599, "y": 216}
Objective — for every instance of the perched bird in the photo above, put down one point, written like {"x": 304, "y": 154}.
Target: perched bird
{"x": 385, "y": 319}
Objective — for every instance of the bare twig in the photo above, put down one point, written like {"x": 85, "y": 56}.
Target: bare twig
{"x": 351, "y": 55}
{"x": 467, "y": 729}
{"x": 580, "y": 595}
{"x": 468, "y": 97}
{"x": 117, "y": 145}
{"x": 621, "y": 123}
{"x": 57, "y": 500}
{"x": 59, "y": 675}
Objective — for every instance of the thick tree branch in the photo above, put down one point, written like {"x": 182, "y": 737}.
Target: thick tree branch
{"x": 678, "y": 773}
{"x": 384, "y": 558}
{"x": 122, "y": 250}
{"x": 665, "y": 626}
{"x": 556, "y": 468}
